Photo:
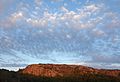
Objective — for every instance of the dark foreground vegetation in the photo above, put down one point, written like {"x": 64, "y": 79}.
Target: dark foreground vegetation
{"x": 11, "y": 76}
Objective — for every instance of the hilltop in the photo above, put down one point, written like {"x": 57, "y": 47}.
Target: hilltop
{"x": 59, "y": 73}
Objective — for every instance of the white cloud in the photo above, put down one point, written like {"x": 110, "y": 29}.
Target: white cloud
{"x": 38, "y": 2}
{"x": 68, "y": 18}
{"x": 16, "y": 16}
{"x": 56, "y": 0}
{"x": 91, "y": 28}
{"x": 40, "y": 23}
{"x": 68, "y": 36}
{"x": 98, "y": 32}
{"x": 64, "y": 9}
{"x": 92, "y": 8}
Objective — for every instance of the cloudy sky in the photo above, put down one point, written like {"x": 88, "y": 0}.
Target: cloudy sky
{"x": 85, "y": 32}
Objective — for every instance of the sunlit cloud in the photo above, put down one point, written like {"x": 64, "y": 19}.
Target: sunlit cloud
{"x": 58, "y": 32}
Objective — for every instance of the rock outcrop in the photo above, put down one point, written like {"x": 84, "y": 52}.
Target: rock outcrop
{"x": 62, "y": 70}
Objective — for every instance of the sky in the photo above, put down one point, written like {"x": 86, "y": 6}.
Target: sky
{"x": 81, "y": 32}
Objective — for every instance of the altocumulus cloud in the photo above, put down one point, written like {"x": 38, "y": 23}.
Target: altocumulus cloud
{"x": 86, "y": 32}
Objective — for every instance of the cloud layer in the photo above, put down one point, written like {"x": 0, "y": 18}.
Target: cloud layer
{"x": 58, "y": 32}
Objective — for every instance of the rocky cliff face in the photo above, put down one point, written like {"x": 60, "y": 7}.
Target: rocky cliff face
{"x": 62, "y": 70}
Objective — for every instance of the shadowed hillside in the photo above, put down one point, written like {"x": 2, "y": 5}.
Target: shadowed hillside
{"x": 59, "y": 73}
